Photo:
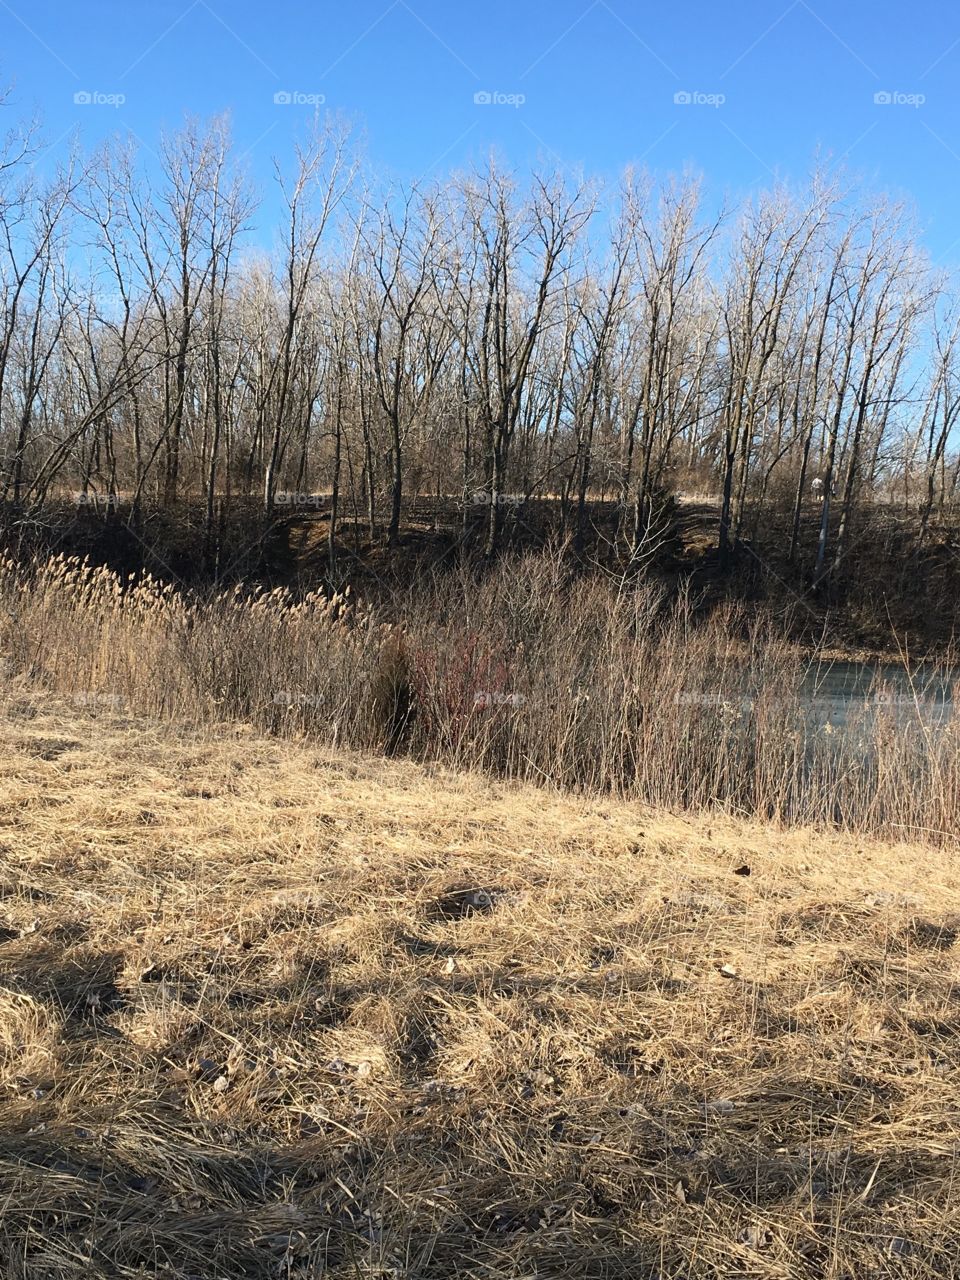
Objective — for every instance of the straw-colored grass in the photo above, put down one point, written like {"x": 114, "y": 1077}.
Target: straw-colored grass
{"x": 270, "y": 1010}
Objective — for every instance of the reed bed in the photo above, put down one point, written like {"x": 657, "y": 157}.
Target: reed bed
{"x": 528, "y": 673}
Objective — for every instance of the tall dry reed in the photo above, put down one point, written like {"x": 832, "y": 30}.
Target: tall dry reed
{"x": 527, "y": 672}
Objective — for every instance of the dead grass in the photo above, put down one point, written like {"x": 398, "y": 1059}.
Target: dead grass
{"x": 271, "y": 1010}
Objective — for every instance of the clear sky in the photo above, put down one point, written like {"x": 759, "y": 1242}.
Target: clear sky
{"x": 587, "y": 83}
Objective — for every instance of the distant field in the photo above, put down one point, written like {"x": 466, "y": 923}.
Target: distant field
{"x": 274, "y": 1011}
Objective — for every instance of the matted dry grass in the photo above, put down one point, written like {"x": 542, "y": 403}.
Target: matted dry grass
{"x": 268, "y": 1010}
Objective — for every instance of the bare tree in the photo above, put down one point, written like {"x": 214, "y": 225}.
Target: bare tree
{"x": 321, "y": 183}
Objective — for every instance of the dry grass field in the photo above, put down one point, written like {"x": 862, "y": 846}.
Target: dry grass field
{"x": 270, "y": 1010}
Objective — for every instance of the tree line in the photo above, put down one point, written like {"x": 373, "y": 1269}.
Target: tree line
{"x": 485, "y": 339}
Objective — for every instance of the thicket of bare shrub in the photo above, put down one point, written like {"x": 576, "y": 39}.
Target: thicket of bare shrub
{"x": 525, "y": 672}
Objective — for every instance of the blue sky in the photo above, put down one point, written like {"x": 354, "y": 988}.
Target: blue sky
{"x": 586, "y": 83}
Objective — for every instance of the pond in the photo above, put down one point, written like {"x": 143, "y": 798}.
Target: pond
{"x": 838, "y": 692}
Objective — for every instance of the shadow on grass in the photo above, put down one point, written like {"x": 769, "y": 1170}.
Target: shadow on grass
{"x": 126, "y": 1159}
